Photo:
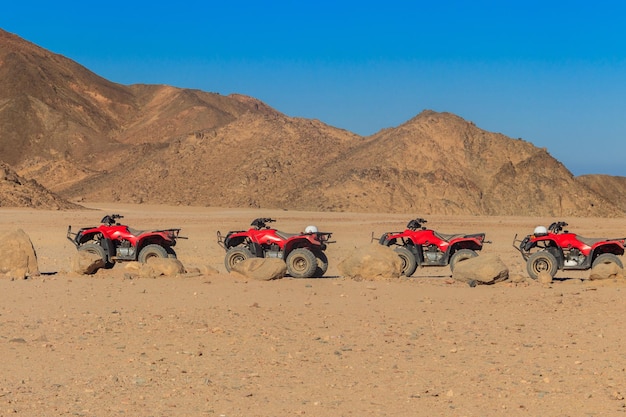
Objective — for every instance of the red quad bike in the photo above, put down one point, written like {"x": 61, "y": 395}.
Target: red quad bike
{"x": 419, "y": 246}
{"x": 115, "y": 242}
{"x": 302, "y": 252}
{"x": 554, "y": 248}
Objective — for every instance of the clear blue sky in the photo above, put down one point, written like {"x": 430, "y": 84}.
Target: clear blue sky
{"x": 552, "y": 73}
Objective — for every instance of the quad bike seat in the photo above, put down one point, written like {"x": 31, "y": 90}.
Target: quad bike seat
{"x": 591, "y": 241}
{"x": 448, "y": 237}
{"x": 136, "y": 232}
{"x": 284, "y": 235}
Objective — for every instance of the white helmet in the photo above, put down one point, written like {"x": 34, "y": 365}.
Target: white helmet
{"x": 540, "y": 230}
{"x": 310, "y": 229}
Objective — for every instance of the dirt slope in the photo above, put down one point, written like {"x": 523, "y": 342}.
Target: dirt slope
{"x": 16, "y": 191}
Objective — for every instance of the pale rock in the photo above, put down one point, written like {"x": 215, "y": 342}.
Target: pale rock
{"x": 168, "y": 267}
{"x": 18, "y": 259}
{"x": 260, "y": 269}
{"x": 608, "y": 270}
{"x": 86, "y": 263}
{"x": 373, "y": 262}
{"x": 484, "y": 269}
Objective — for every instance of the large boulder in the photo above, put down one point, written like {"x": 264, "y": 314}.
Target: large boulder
{"x": 86, "y": 263}
{"x": 373, "y": 262}
{"x": 609, "y": 270}
{"x": 17, "y": 255}
{"x": 484, "y": 269}
{"x": 261, "y": 269}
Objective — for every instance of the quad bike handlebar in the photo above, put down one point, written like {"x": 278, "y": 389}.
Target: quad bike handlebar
{"x": 260, "y": 222}
{"x": 110, "y": 219}
{"x": 556, "y": 227}
{"x": 416, "y": 223}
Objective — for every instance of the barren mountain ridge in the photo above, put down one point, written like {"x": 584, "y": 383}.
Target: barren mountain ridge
{"x": 88, "y": 139}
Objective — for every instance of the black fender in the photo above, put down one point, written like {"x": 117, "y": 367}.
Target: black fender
{"x": 557, "y": 252}
{"x": 613, "y": 248}
{"x": 416, "y": 250}
{"x": 385, "y": 241}
{"x": 82, "y": 238}
{"x": 257, "y": 250}
{"x": 230, "y": 242}
{"x": 154, "y": 240}
{"x": 301, "y": 242}
{"x": 470, "y": 244}
{"x": 407, "y": 243}
{"x": 109, "y": 248}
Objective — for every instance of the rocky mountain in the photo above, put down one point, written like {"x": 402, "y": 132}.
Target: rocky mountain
{"x": 440, "y": 163}
{"x": 87, "y": 138}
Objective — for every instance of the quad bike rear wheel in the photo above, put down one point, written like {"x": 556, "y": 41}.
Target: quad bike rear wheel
{"x": 607, "y": 258}
{"x": 235, "y": 255}
{"x": 461, "y": 255}
{"x": 151, "y": 251}
{"x": 301, "y": 263}
{"x": 409, "y": 263}
{"x": 541, "y": 261}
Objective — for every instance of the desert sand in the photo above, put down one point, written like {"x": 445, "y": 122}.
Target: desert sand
{"x": 107, "y": 345}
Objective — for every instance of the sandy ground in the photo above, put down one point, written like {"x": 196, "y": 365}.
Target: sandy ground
{"x": 106, "y": 345}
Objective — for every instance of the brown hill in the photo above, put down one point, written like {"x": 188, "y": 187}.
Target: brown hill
{"x": 255, "y": 161}
{"x": 87, "y": 138}
{"x": 16, "y": 191}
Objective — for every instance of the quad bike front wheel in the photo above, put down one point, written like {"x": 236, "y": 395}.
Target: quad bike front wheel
{"x": 409, "y": 263}
{"x": 235, "y": 255}
{"x": 461, "y": 255}
{"x": 301, "y": 263}
{"x": 96, "y": 250}
{"x": 151, "y": 251}
{"x": 607, "y": 258}
{"x": 539, "y": 262}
